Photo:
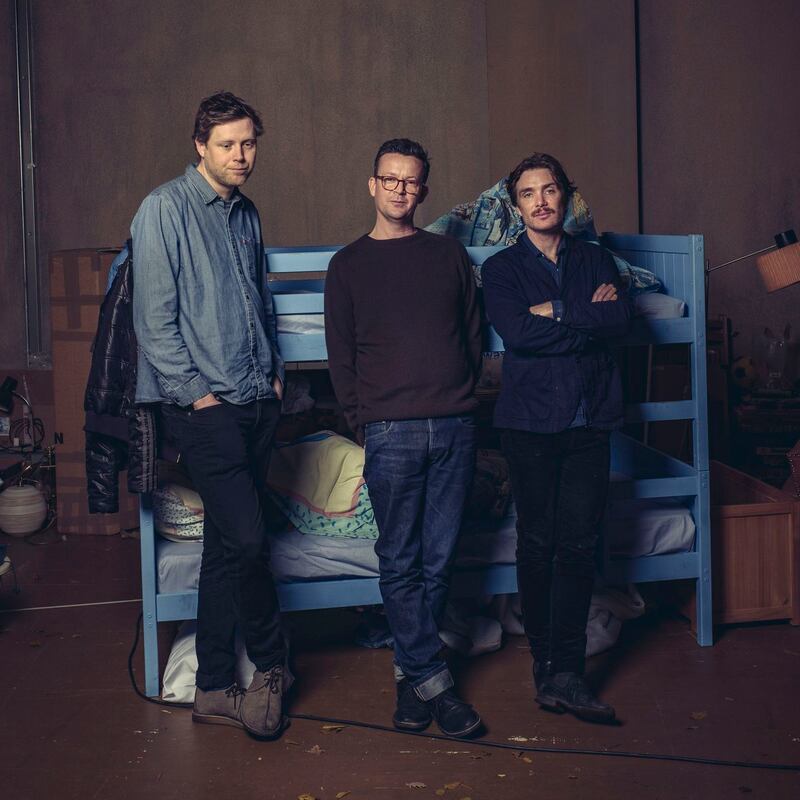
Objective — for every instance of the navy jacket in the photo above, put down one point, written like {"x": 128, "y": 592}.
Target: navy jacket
{"x": 549, "y": 364}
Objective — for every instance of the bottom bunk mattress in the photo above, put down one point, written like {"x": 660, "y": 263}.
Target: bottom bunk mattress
{"x": 632, "y": 529}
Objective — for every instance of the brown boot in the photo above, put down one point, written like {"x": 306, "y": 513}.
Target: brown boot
{"x": 220, "y": 707}
{"x": 262, "y": 707}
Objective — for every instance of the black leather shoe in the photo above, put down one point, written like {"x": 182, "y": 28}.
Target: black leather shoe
{"x": 411, "y": 713}
{"x": 568, "y": 691}
{"x": 453, "y": 716}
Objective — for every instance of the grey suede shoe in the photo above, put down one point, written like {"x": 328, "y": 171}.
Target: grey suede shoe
{"x": 262, "y": 707}
{"x": 220, "y": 707}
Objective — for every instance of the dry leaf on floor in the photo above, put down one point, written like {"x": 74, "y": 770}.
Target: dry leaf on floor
{"x": 415, "y": 785}
{"x": 333, "y": 728}
{"x": 698, "y": 715}
{"x": 315, "y": 750}
{"x": 306, "y": 797}
{"x": 517, "y": 738}
{"x": 454, "y": 785}
{"x": 341, "y": 795}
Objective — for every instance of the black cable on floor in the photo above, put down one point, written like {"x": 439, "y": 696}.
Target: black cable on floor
{"x": 488, "y": 743}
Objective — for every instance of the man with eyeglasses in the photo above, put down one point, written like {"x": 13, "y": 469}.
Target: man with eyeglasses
{"x": 404, "y": 348}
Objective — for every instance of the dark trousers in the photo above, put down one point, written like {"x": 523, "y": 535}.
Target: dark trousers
{"x": 418, "y": 473}
{"x": 560, "y": 484}
{"x": 226, "y": 449}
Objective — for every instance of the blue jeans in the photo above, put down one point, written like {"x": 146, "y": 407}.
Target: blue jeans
{"x": 418, "y": 474}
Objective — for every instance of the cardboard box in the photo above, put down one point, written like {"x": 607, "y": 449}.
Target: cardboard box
{"x": 77, "y": 287}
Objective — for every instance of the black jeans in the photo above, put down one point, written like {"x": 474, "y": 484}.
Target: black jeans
{"x": 560, "y": 484}
{"x": 226, "y": 449}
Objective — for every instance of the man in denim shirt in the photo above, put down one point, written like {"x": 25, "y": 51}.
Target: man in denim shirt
{"x": 207, "y": 339}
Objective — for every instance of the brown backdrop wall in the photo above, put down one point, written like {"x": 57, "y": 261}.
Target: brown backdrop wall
{"x": 480, "y": 82}
{"x": 562, "y": 81}
{"x": 720, "y": 131}
{"x": 118, "y": 84}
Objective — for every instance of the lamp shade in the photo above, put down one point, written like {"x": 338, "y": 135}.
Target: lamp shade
{"x": 780, "y": 268}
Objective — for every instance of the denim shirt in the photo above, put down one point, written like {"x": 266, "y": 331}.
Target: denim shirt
{"x": 202, "y": 311}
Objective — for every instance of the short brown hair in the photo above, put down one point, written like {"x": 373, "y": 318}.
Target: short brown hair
{"x": 540, "y": 161}
{"x": 219, "y": 108}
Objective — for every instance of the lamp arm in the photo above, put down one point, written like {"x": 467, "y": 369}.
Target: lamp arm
{"x": 741, "y": 258}
{"x": 24, "y": 400}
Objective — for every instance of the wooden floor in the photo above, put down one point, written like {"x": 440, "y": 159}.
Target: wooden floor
{"x": 72, "y": 727}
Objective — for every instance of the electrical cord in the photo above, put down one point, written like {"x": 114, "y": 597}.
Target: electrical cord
{"x": 486, "y": 743}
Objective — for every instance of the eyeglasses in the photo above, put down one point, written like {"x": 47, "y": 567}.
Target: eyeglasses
{"x": 390, "y": 183}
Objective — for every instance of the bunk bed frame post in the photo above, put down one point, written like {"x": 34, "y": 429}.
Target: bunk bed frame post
{"x": 147, "y": 537}
{"x": 702, "y": 510}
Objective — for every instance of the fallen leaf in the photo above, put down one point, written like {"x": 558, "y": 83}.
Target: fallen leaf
{"x": 306, "y": 797}
{"x": 340, "y": 795}
{"x": 333, "y": 728}
{"x": 315, "y": 750}
{"x": 501, "y": 774}
{"x": 698, "y": 715}
{"x": 415, "y": 785}
{"x": 439, "y": 792}
{"x": 517, "y": 738}
{"x": 164, "y": 711}
{"x": 477, "y": 756}
{"x": 454, "y": 785}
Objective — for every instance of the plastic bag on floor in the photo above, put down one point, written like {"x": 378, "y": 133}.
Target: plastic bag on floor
{"x": 609, "y": 609}
{"x": 179, "y": 675}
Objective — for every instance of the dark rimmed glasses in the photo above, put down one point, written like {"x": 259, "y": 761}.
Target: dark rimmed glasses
{"x": 390, "y": 183}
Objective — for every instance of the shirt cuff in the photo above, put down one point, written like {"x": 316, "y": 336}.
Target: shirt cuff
{"x": 558, "y": 310}
{"x": 192, "y": 390}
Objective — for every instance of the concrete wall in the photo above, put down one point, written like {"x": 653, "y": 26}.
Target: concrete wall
{"x": 118, "y": 83}
{"x": 481, "y": 82}
{"x": 562, "y": 81}
{"x": 721, "y": 134}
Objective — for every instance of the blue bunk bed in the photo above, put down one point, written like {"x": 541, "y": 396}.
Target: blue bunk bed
{"x": 297, "y": 282}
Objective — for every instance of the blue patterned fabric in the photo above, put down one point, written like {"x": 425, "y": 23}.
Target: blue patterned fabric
{"x": 492, "y": 219}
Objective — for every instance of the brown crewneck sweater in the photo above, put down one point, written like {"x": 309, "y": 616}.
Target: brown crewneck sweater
{"x": 402, "y": 327}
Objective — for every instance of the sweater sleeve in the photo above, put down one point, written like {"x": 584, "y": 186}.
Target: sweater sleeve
{"x": 603, "y": 320}
{"x": 472, "y": 315}
{"x": 340, "y": 340}
{"x": 520, "y": 330}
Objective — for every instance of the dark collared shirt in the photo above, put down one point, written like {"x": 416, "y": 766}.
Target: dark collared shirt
{"x": 556, "y": 270}
{"x": 202, "y": 311}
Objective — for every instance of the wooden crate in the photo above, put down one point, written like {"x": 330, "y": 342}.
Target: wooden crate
{"x": 755, "y": 543}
